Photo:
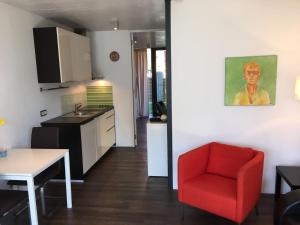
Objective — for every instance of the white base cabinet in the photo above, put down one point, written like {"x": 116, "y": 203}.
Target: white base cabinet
{"x": 89, "y": 145}
{"x": 106, "y": 135}
{"x": 97, "y": 137}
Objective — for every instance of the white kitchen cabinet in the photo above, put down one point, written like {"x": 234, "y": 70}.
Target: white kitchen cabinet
{"x": 97, "y": 137}
{"x": 64, "y": 51}
{"x": 89, "y": 144}
{"x": 81, "y": 59}
{"x": 106, "y": 136}
{"x": 61, "y": 55}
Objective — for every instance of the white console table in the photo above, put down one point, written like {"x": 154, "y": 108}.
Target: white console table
{"x": 157, "y": 149}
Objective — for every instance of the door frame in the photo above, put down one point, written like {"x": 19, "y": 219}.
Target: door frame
{"x": 169, "y": 92}
{"x": 133, "y": 88}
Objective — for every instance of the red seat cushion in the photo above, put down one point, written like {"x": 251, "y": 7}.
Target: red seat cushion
{"x": 226, "y": 160}
{"x": 211, "y": 193}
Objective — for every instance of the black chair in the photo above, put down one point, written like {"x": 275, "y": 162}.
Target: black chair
{"x": 47, "y": 138}
{"x": 10, "y": 201}
{"x": 287, "y": 209}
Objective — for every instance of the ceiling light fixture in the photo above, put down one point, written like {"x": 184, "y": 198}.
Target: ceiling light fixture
{"x": 115, "y": 22}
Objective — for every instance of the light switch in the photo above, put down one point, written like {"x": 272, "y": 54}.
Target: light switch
{"x": 43, "y": 112}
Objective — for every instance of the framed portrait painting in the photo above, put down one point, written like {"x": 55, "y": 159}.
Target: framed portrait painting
{"x": 250, "y": 80}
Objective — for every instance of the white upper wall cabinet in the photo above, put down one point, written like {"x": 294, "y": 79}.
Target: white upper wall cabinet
{"x": 64, "y": 40}
{"x": 61, "y": 55}
{"x": 81, "y": 58}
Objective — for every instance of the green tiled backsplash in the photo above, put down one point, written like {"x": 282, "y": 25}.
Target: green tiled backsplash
{"x": 99, "y": 95}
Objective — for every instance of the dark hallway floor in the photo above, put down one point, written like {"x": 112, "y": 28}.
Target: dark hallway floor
{"x": 141, "y": 124}
{"x": 117, "y": 191}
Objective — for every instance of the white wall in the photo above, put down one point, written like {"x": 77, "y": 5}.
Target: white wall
{"x": 119, "y": 75}
{"x": 203, "y": 34}
{"x": 20, "y": 98}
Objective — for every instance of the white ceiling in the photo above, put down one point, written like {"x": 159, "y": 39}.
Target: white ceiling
{"x": 99, "y": 14}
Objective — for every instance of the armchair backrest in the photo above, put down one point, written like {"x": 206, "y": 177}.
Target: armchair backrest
{"x": 226, "y": 160}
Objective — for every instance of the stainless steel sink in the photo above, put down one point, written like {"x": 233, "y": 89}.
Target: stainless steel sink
{"x": 81, "y": 114}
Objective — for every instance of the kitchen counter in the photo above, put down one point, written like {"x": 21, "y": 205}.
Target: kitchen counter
{"x": 88, "y": 137}
{"x": 62, "y": 120}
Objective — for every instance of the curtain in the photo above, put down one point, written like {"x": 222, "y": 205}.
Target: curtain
{"x": 140, "y": 58}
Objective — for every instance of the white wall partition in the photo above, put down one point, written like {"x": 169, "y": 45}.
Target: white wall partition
{"x": 119, "y": 75}
{"x": 203, "y": 34}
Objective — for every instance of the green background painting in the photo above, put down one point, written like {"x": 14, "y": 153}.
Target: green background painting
{"x": 234, "y": 81}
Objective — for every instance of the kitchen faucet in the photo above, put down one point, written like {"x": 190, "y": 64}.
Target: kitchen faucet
{"x": 77, "y": 107}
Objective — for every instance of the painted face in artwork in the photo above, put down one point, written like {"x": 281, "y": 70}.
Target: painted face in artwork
{"x": 251, "y": 73}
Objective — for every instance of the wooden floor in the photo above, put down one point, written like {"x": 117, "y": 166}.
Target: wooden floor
{"x": 117, "y": 191}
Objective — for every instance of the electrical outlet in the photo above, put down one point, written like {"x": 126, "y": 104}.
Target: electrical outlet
{"x": 43, "y": 112}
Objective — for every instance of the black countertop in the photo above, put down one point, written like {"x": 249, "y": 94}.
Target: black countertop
{"x": 61, "y": 120}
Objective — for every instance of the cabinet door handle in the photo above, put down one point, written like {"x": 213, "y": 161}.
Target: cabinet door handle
{"x": 110, "y": 128}
{"x": 109, "y": 116}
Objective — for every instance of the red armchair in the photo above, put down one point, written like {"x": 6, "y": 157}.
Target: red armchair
{"x": 222, "y": 179}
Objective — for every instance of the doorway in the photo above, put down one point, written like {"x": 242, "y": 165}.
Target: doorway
{"x": 150, "y": 97}
{"x": 152, "y": 91}
{"x": 149, "y": 65}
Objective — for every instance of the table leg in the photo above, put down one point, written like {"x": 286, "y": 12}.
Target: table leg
{"x": 277, "y": 187}
{"x": 68, "y": 180}
{"x": 32, "y": 201}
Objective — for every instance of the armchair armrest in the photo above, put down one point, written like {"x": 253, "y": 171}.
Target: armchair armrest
{"x": 249, "y": 183}
{"x": 190, "y": 165}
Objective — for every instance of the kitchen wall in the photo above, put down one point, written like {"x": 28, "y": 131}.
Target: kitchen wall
{"x": 203, "y": 34}
{"x": 20, "y": 97}
{"x": 69, "y": 100}
{"x": 119, "y": 75}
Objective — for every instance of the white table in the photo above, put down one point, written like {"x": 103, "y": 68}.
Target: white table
{"x": 25, "y": 164}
